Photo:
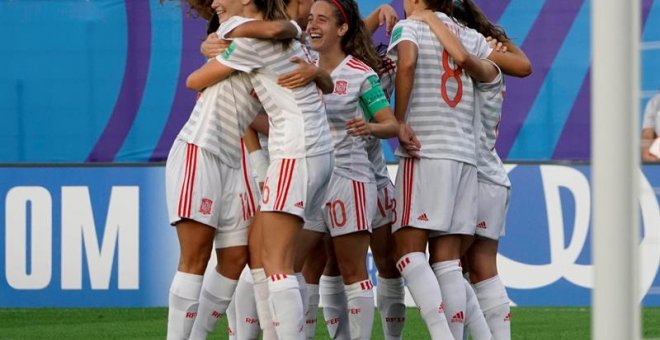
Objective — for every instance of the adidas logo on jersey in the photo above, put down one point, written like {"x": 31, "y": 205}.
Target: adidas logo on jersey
{"x": 458, "y": 317}
{"x": 423, "y": 217}
{"x": 299, "y": 205}
{"x": 481, "y": 225}
{"x": 507, "y": 317}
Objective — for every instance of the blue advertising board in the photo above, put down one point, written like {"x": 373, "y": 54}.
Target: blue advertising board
{"x": 99, "y": 237}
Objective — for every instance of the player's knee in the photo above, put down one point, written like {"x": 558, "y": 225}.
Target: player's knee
{"x": 194, "y": 263}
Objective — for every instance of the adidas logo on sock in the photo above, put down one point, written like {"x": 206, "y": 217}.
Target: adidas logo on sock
{"x": 507, "y": 317}
{"x": 458, "y": 317}
{"x": 423, "y": 217}
{"x": 299, "y": 205}
{"x": 481, "y": 225}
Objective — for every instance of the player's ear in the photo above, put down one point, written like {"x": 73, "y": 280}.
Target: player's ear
{"x": 341, "y": 31}
{"x": 245, "y": 2}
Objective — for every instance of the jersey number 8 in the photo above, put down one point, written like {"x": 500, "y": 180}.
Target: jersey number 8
{"x": 454, "y": 73}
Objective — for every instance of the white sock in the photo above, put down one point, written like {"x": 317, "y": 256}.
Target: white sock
{"x": 425, "y": 290}
{"x": 261, "y": 300}
{"x": 247, "y": 319}
{"x": 232, "y": 332}
{"x": 302, "y": 287}
{"x": 217, "y": 292}
{"x": 312, "y": 309}
{"x": 494, "y": 302}
{"x": 450, "y": 278}
{"x": 335, "y": 307}
{"x": 286, "y": 306}
{"x": 475, "y": 322}
{"x": 360, "y": 298}
{"x": 183, "y": 303}
{"x": 390, "y": 296}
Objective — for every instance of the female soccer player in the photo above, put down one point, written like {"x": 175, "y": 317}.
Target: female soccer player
{"x": 436, "y": 182}
{"x": 299, "y": 147}
{"x": 346, "y": 52}
{"x": 204, "y": 190}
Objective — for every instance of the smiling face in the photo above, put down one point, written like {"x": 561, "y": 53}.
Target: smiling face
{"x": 323, "y": 29}
{"x": 227, "y": 8}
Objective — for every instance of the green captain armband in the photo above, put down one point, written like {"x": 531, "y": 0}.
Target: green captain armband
{"x": 374, "y": 99}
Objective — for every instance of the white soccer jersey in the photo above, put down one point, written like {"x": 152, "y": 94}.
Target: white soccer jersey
{"x": 378, "y": 164}
{"x": 489, "y": 104}
{"x": 298, "y": 125}
{"x": 441, "y": 108}
{"x": 357, "y": 94}
{"x": 220, "y": 116}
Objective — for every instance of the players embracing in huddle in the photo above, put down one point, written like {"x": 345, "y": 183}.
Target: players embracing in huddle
{"x": 323, "y": 193}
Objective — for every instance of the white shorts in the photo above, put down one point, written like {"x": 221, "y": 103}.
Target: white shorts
{"x": 349, "y": 206}
{"x": 201, "y": 188}
{"x": 385, "y": 207}
{"x": 493, "y": 205}
{"x": 297, "y": 187}
{"x": 436, "y": 194}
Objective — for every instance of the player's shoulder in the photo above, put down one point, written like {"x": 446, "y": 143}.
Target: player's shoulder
{"x": 356, "y": 65}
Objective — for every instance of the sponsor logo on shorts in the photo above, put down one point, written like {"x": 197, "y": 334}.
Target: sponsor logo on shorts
{"x": 300, "y": 205}
{"x": 423, "y": 217}
{"x": 481, "y": 225}
{"x": 205, "y": 206}
{"x": 341, "y": 87}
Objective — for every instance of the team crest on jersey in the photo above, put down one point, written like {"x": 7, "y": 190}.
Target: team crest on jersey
{"x": 341, "y": 87}
{"x": 205, "y": 207}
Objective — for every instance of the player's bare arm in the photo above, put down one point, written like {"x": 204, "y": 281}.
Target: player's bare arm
{"x": 513, "y": 61}
{"x": 479, "y": 69}
{"x": 304, "y": 74}
{"x": 384, "y": 14}
{"x": 207, "y": 75}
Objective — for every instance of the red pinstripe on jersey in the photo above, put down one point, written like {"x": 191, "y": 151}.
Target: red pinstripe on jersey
{"x": 251, "y": 207}
{"x": 284, "y": 182}
{"x": 185, "y": 196}
{"x": 357, "y": 64}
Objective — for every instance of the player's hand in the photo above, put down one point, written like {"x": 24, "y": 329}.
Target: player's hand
{"x": 358, "y": 127}
{"x": 496, "y": 45}
{"x": 303, "y": 75}
{"x": 387, "y": 16}
{"x": 408, "y": 140}
{"x": 213, "y": 46}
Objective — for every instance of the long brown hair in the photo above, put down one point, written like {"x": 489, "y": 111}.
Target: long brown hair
{"x": 273, "y": 10}
{"x": 357, "y": 40}
{"x": 469, "y": 14}
{"x": 444, "y": 6}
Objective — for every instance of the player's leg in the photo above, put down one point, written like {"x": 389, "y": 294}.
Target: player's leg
{"x": 482, "y": 258}
{"x": 390, "y": 291}
{"x": 331, "y": 288}
{"x": 247, "y": 324}
{"x": 410, "y": 244}
{"x": 196, "y": 244}
{"x": 312, "y": 270}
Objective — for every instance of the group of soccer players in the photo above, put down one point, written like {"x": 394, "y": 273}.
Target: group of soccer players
{"x": 302, "y": 206}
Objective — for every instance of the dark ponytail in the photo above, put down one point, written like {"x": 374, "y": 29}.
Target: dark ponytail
{"x": 470, "y": 15}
